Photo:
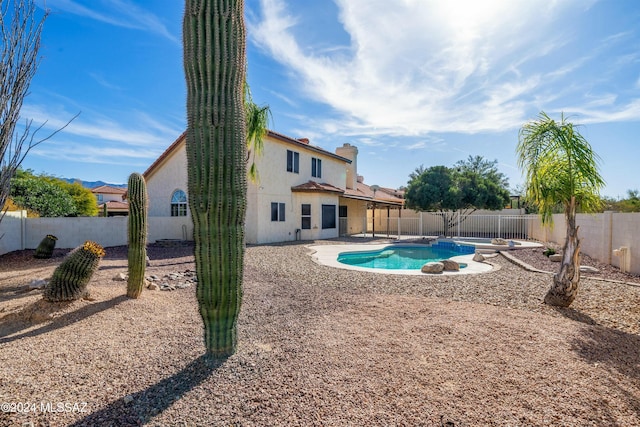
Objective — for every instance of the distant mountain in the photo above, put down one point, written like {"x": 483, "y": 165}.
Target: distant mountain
{"x": 93, "y": 184}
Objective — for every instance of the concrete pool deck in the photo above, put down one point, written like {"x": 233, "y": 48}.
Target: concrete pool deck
{"x": 328, "y": 255}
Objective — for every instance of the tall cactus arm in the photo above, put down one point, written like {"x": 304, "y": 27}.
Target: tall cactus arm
{"x": 214, "y": 63}
{"x": 137, "y": 229}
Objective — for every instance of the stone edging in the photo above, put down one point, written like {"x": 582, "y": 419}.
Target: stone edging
{"x": 528, "y": 267}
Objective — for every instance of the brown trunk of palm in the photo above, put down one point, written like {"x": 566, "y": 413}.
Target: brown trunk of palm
{"x": 565, "y": 282}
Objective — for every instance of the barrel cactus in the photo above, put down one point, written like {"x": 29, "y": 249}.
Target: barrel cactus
{"x": 69, "y": 281}
{"x": 46, "y": 247}
{"x": 137, "y": 261}
{"x": 214, "y": 63}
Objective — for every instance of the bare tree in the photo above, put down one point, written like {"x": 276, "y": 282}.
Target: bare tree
{"x": 20, "y": 31}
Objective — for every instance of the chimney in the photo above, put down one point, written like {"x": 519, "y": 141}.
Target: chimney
{"x": 350, "y": 152}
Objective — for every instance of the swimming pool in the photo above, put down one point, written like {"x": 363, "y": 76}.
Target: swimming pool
{"x": 405, "y": 257}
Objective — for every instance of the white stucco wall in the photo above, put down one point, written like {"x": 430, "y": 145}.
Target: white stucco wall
{"x": 356, "y": 214}
{"x": 72, "y": 232}
{"x": 600, "y": 234}
{"x": 273, "y": 186}
{"x": 12, "y": 231}
{"x": 169, "y": 177}
{"x": 109, "y": 197}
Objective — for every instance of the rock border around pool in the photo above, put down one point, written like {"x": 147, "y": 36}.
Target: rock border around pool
{"x": 328, "y": 255}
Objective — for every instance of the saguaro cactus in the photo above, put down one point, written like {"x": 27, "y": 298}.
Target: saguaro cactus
{"x": 214, "y": 63}
{"x": 69, "y": 281}
{"x": 137, "y": 261}
{"x": 46, "y": 247}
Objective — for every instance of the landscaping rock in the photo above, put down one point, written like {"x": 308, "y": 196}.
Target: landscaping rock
{"x": 172, "y": 281}
{"x": 120, "y": 277}
{"x": 478, "y": 257}
{"x": 450, "y": 265}
{"x": 37, "y": 284}
{"x": 555, "y": 257}
{"x": 432, "y": 268}
{"x": 499, "y": 242}
{"x": 588, "y": 269}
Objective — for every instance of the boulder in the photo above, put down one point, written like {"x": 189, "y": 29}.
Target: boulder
{"x": 499, "y": 242}
{"x": 588, "y": 269}
{"x": 37, "y": 284}
{"x": 478, "y": 257}
{"x": 120, "y": 277}
{"x": 449, "y": 265}
{"x": 555, "y": 257}
{"x": 153, "y": 287}
{"x": 432, "y": 268}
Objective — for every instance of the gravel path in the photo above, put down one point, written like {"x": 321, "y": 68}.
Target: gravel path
{"x": 321, "y": 346}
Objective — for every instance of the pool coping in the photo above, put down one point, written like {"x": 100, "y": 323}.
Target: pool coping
{"x": 328, "y": 255}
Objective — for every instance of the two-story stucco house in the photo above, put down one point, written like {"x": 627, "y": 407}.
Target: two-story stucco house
{"x": 113, "y": 198}
{"x": 303, "y": 192}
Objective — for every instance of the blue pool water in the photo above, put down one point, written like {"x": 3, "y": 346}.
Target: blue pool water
{"x": 405, "y": 257}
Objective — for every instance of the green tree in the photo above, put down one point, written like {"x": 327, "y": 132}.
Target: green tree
{"x": 214, "y": 63}
{"x": 257, "y": 121}
{"x": 458, "y": 191}
{"x": 41, "y": 195}
{"x": 83, "y": 198}
{"x": 560, "y": 167}
{"x": 631, "y": 203}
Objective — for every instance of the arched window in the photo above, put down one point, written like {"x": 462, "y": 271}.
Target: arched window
{"x": 179, "y": 203}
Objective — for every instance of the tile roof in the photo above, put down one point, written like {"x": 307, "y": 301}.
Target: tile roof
{"x": 302, "y": 143}
{"x": 167, "y": 153}
{"x": 382, "y": 195}
{"x": 313, "y": 186}
{"x": 113, "y": 205}
{"x": 107, "y": 189}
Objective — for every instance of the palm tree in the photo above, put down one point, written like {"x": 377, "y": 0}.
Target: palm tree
{"x": 257, "y": 120}
{"x": 214, "y": 63}
{"x": 560, "y": 168}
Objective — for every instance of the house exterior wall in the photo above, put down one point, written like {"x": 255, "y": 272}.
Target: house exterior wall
{"x": 170, "y": 177}
{"x": 356, "y": 214}
{"x": 274, "y": 186}
{"x": 108, "y": 197}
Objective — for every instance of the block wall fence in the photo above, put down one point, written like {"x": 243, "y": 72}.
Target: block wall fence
{"x": 612, "y": 238}
{"x": 19, "y": 232}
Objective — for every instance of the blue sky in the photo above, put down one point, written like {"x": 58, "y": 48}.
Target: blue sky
{"x": 409, "y": 82}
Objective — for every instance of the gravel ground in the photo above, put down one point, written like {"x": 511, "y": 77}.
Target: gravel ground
{"x": 321, "y": 346}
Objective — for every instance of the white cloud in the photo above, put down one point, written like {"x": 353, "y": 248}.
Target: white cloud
{"x": 623, "y": 113}
{"x": 418, "y": 67}
{"x": 136, "y": 140}
{"x": 102, "y": 81}
{"x": 121, "y": 13}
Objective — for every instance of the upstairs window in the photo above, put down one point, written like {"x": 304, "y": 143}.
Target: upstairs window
{"x": 293, "y": 161}
{"x": 179, "y": 203}
{"x": 316, "y": 167}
